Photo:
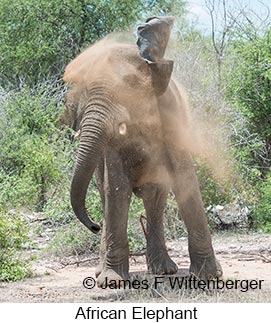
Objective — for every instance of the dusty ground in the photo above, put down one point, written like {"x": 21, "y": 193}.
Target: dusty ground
{"x": 242, "y": 256}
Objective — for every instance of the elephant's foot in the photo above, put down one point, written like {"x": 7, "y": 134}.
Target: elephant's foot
{"x": 161, "y": 264}
{"x": 206, "y": 268}
{"x": 112, "y": 278}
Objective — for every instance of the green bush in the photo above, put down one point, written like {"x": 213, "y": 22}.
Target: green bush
{"x": 174, "y": 225}
{"x": 38, "y": 38}
{"x": 58, "y": 209}
{"x": 13, "y": 235}
{"x": 94, "y": 203}
{"x": 249, "y": 91}
{"x": 35, "y": 153}
{"x": 136, "y": 238}
{"x": 262, "y": 212}
{"x": 73, "y": 239}
{"x": 213, "y": 191}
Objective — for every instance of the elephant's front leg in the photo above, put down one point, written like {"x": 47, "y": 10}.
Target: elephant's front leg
{"x": 154, "y": 198}
{"x": 114, "y": 266}
{"x": 186, "y": 189}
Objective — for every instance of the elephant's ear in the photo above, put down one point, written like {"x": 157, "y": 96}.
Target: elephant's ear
{"x": 152, "y": 40}
{"x": 160, "y": 74}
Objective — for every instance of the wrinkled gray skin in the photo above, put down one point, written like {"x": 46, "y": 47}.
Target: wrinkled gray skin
{"x": 130, "y": 115}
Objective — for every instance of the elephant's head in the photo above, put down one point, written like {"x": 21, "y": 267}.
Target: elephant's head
{"x": 106, "y": 83}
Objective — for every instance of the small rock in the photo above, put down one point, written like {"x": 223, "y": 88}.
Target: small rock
{"x": 232, "y": 216}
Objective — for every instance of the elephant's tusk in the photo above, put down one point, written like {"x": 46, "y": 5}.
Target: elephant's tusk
{"x": 122, "y": 128}
{"x": 78, "y": 133}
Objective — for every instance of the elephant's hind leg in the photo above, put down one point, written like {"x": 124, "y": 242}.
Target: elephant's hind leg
{"x": 186, "y": 189}
{"x": 154, "y": 198}
{"x": 114, "y": 266}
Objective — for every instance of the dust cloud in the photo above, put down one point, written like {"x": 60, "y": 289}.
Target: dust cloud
{"x": 206, "y": 140}
{"x": 92, "y": 62}
{"x": 201, "y": 138}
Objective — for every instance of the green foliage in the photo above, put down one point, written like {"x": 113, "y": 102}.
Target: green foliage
{"x": 94, "y": 203}
{"x": 137, "y": 241}
{"x": 164, "y": 7}
{"x": 173, "y": 223}
{"x": 58, "y": 208}
{"x": 262, "y": 212}
{"x": 213, "y": 192}
{"x": 38, "y": 38}
{"x": 13, "y": 234}
{"x": 13, "y": 230}
{"x": 73, "y": 239}
{"x": 136, "y": 207}
{"x": 248, "y": 167}
{"x": 249, "y": 90}
{"x": 34, "y": 152}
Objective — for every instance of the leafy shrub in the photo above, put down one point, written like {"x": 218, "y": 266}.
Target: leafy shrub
{"x": 262, "y": 212}
{"x": 213, "y": 192}
{"x": 249, "y": 91}
{"x": 13, "y": 235}
{"x": 136, "y": 238}
{"x": 174, "y": 225}
{"x": 94, "y": 203}
{"x": 35, "y": 153}
{"x": 38, "y": 38}
{"x": 73, "y": 239}
{"x": 58, "y": 208}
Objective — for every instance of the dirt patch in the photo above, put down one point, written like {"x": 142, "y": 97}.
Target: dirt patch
{"x": 243, "y": 256}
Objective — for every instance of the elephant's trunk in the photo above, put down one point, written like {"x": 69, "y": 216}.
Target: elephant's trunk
{"x": 93, "y": 139}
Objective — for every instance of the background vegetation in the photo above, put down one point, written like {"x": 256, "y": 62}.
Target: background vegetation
{"x": 13, "y": 234}
{"x": 226, "y": 72}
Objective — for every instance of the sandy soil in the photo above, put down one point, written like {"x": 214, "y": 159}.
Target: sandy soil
{"x": 242, "y": 256}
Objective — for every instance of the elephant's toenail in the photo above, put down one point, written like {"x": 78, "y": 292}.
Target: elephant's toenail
{"x": 219, "y": 273}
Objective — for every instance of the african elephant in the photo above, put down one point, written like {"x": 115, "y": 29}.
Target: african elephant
{"x": 132, "y": 117}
